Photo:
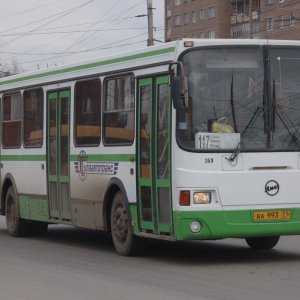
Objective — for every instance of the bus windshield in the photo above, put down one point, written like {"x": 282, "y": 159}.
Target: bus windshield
{"x": 240, "y": 97}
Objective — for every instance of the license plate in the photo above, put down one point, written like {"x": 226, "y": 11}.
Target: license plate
{"x": 272, "y": 215}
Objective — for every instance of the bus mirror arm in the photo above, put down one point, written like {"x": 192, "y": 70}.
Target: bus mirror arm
{"x": 179, "y": 86}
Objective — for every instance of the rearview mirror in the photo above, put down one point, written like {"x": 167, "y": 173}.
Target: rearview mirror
{"x": 179, "y": 86}
{"x": 177, "y": 94}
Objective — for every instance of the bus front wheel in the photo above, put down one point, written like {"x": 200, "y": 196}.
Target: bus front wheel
{"x": 15, "y": 225}
{"x": 262, "y": 243}
{"x": 121, "y": 229}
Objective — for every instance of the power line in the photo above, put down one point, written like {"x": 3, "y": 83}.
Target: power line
{"x": 73, "y": 52}
{"x": 74, "y": 31}
{"x": 117, "y": 20}
{"x": 66, "y": 12}
{"x": 30, "y": 10}
{"x": 51, "y": 16}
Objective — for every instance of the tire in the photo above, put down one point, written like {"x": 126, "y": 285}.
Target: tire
{"x": 15, "y": 225}
{"x": 262, "y": 243}
{"x": 125, "y": 242}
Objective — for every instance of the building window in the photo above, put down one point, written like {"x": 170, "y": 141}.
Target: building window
{"x": 33, "y": 118}
{"x": 269, "y": 2}
{"x": 177, "y": 2}
{"x": 281, "y": 1}
{"x": 193, "y": 17}
{"x": 201, "y": 36}
{"x": 255, "y": 27}
{"x": 269, "y": 24}
{"x": 177, "y": 20}
{"x": 88, "y": 113}
{"x": 186, "y": 18}
{"x": 281, "y": 21}
{"x": 211, "y": 34}
{"x": 201, "y": 15}
{"x": 211, "y": 12}
{"x": 11, "y": 124}
{"x": 292, "y": 20}
{"x": 168, "y": 4}
{"x": 119, "y": 110}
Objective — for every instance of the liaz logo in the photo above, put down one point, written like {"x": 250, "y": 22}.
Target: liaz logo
{"x": 84, "y": 167}
{"x": 272, "y": 187}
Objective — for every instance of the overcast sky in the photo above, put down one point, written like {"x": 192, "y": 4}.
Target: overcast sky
{"x": 43, "y": 33}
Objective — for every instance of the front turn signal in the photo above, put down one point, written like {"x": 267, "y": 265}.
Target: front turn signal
{"x": 184, "y": 199}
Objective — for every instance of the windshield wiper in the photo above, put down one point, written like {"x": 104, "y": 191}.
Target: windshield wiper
{"x": 254, "y": 117}
{"x": 232, "y": 105}
{"x": 235, "y": 153}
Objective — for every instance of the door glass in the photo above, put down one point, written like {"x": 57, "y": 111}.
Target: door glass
{"x": 53, "y": 196}
{"x": 65, "y": 206}
{"x": 145, "y": 129}
{"x": 163, "y": 132}
{"x": 64, "y": 137}
{"x": 146, "y": 203}
{"x": 164, "y": 205}
{"x": 52, "y": 138}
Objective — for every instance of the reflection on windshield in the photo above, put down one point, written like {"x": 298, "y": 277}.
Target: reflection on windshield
{"x": 227, "y": 103}
{"x": 285, "y": 66}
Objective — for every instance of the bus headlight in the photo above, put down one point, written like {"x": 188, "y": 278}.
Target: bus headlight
{"x": 202, "y": 197}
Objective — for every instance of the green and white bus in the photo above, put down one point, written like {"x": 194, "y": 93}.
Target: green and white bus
{"x": 189, "y": 140}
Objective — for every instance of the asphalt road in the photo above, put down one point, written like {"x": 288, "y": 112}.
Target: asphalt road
{"x": 71, "y": 264}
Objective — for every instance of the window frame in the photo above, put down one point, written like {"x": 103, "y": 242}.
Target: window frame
{"x": 23, "y": 117}
{"x": 105, "y": 81}
{"x": 212, "y": 12}
{"x": 269, "y": 24}
{"x": 100, "y": 113}
{"x": 18, "y": 92}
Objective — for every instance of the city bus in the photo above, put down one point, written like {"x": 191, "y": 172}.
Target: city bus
{"x": 194, "y": 139}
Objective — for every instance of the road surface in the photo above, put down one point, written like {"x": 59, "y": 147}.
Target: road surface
{"x": 71, "y": 263}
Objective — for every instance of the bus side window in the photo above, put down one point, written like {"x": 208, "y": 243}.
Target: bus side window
{"x": 119, "y": 110}
{"x": 33, "y": 118}
{"x": 11, "y": 123}
{"x": 88, "y": 113}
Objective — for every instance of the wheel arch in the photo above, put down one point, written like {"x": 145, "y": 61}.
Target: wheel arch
{"x": 115, "y": 185}
{"x": 8, "y": 181}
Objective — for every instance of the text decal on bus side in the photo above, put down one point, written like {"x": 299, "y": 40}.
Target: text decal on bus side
{"x": 84, "y": 167}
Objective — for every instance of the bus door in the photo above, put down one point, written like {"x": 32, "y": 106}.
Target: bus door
{"x": 58, "y": 159}
{"x": 153, "y": 156}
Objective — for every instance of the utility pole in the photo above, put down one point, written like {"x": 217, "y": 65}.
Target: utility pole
{"x": 150, "y": 41}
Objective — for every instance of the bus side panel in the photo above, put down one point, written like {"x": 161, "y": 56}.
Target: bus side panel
{"x": 90, "y": 176}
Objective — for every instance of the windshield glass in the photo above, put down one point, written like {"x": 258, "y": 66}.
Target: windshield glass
{"x": 285, "y": 91}
{"x": 233, "y": 103}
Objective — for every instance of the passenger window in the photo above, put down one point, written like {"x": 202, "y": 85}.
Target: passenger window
{"x": 119, "y": 111}
{"x": 11, "y": 124}
{"x": 88, "y": 113}
{"x": 33, "y": 118}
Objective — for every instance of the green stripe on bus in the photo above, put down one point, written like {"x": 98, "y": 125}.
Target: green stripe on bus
{"x": 23, "y": 157}
{"x": 105, "y": 157}
{"x": 92, "y": 65}
{"x": 232, "y": 224}
{"x": 74, "y": 157}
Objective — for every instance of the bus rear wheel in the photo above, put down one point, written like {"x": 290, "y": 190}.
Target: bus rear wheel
{"x": 15, "y": 225}
{"x": 262, "y": 243}
{"x": 121, "y": 230}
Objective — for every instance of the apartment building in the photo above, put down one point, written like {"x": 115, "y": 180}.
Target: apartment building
{"x": 199, "y": 19}
{"x": 280, "y": 19}
{"x": 276, "y": 19}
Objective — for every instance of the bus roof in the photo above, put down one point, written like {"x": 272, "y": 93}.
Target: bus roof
{"x": 143, "y": 57}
